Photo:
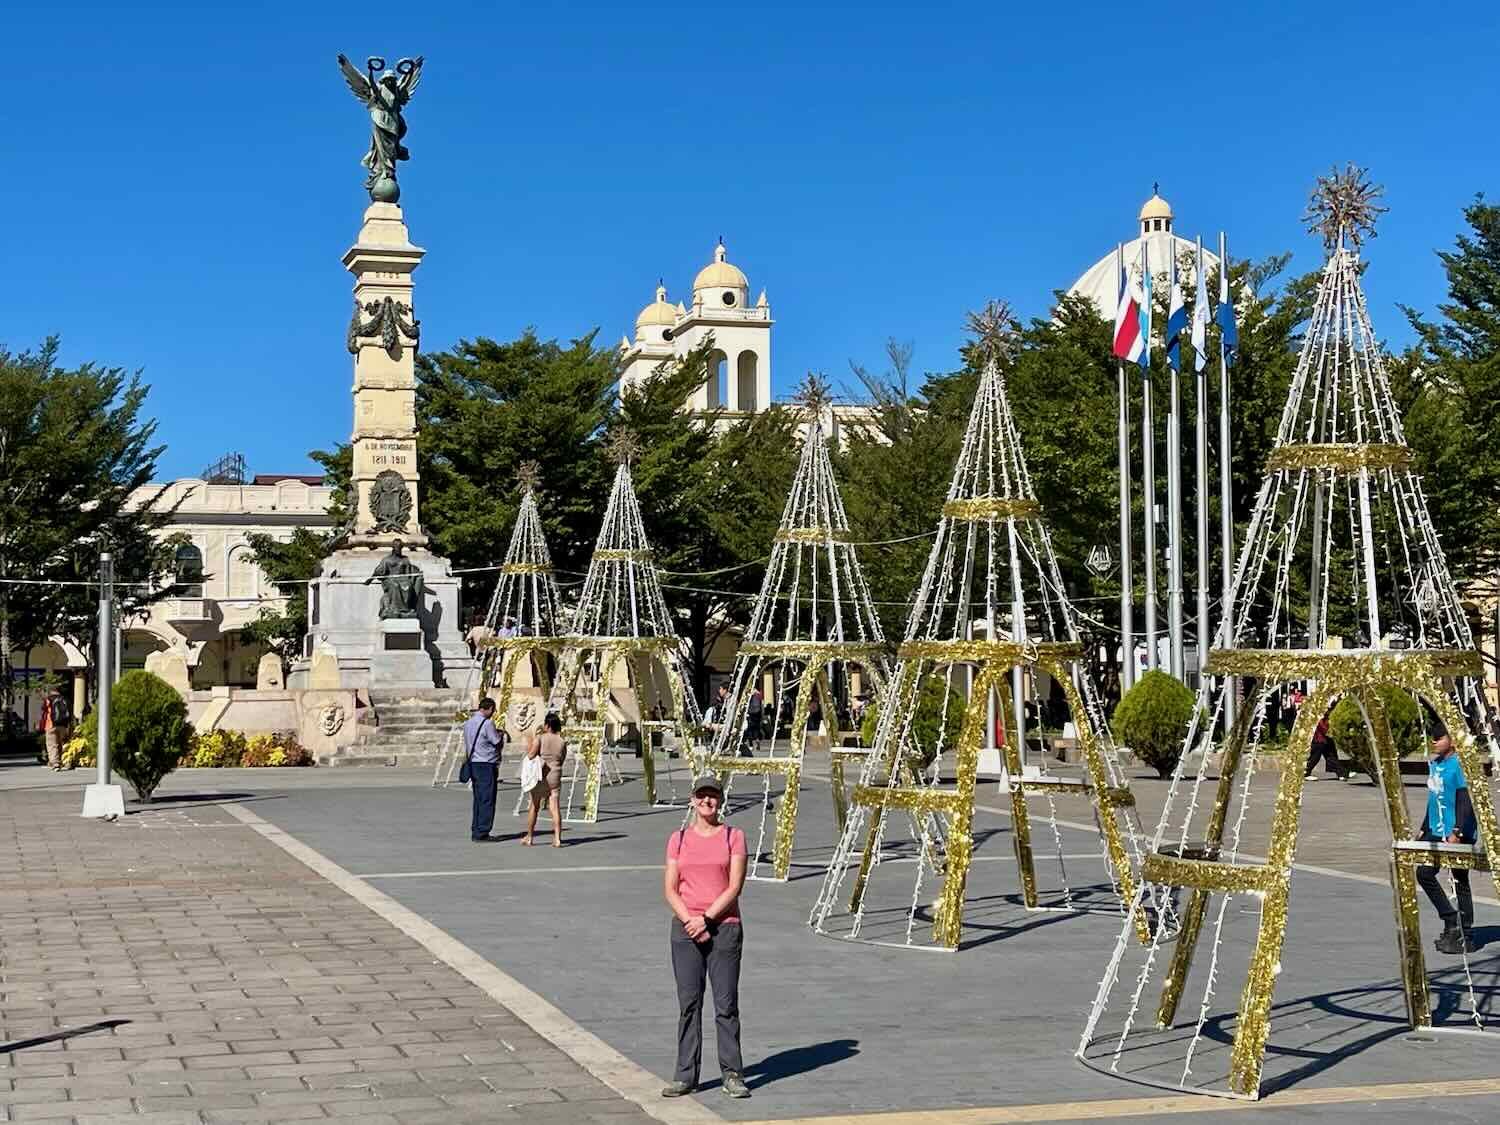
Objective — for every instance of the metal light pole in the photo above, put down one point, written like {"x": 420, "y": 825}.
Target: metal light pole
{"x": 1148, "y": 457}
{"x": 1174, "y": 499}
{"x": 1201, "y": 428}
{"x": 103, "y": 799}
{"x": 1226, "y": 512}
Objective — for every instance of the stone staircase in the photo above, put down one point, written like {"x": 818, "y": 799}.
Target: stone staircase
{"x": 410, "y": 729}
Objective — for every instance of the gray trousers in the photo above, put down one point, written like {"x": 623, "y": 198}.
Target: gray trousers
{"x": 717, "y": 960}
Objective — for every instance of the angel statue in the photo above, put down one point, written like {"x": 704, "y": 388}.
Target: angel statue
{"x": 385, "y": 93}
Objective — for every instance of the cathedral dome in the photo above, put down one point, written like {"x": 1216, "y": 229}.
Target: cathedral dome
{"x": 658, "y": 314}
{"x": 720, "y": 274}
{"x": 1155, "y": 208}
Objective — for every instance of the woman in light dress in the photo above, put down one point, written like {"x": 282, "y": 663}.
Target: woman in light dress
{"x": 547, "y": 744}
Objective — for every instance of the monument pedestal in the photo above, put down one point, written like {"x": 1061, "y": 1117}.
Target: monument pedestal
{"x": 343, "y": 614}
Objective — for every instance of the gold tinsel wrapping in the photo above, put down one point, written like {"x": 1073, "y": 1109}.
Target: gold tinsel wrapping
{"x": 1006, "y": 653}
{"x": 812, "y": 535}
{"x": 812, "y": 650}
{"x": 620, "y": 555}
{"x": 1354, "y": 669}
{"x": 1341, "y": 457}
{"x": 525, "y": 568}
{"x": 992, "y": 508}
{"x": 1234, "y": 877}
{"x": 915, "y": 800}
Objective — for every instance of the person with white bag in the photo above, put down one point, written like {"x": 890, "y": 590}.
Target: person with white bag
{"x": 541, "y": 776}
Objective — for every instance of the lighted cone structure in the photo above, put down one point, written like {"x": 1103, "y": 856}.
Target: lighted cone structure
{"x": 813, "y": 626}
{"x": 1340, "y": 549}
{"x": 524, "y": 622}
{"x": 991, "y": 572}
{"x": 623, "y": 664}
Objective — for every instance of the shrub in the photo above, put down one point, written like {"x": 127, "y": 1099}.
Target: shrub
{"x": 1152, "y": 720}
{"x": 78, "y": 751}
{"x": 215, "y": 749}
{"x": 1347, "y": 727}
{"x": 148, "y": 730}
{"x": 929, "y": 727}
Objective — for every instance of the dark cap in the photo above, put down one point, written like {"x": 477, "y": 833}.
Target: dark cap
{"x": 708, "y": 781}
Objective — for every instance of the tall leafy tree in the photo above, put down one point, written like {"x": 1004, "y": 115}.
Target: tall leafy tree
{"x": 74, "y": 448}
{"x": 1449, "y": 388}
{"x": 711, "y": 492}
{"x": 484, "y": 407}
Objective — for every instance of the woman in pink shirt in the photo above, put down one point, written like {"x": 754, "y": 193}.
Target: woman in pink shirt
{"x": 705, "y": 874}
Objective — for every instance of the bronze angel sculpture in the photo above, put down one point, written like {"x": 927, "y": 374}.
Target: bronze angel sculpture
{"x": 385, "y": 93}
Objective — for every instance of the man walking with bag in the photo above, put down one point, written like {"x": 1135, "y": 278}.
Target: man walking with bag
{"x": 57, "y": 718}
{"x": 481, "y": 768}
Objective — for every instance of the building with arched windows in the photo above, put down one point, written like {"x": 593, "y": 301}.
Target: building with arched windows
{"x": 741, "y": 382}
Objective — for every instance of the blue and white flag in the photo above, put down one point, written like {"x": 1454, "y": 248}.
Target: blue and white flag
{"x": 1176, "y": 318}
{"x": 1228, "y": 331}
{"x": 1200, "y": 316}
{"x": 1145, "y": 311}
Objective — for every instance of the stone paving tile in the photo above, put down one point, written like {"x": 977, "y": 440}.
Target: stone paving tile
{"x": 178, "y": 968}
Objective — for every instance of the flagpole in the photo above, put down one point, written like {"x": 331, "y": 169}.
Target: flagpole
{"x": 1127, "y": 590}
{"x": 1201, "y": 428}
{"x": 1174, "y": 485}
{"x": 1148, "y": 457}
{"x": 1226, "y": 512}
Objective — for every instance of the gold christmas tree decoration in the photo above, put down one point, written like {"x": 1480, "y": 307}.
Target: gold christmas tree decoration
{"x": 523, "y": 628}
{"x": 1342, "y": 586}
{"x": 813, "y": 628}
{"x": 990, "y": 613}
{"x": 623, "y": 661}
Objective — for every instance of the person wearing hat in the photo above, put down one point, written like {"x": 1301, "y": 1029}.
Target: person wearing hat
{"x": 704, "y": 876}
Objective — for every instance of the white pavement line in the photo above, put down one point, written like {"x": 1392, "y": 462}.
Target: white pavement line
{"x": 597, "y": 1057}
{"x": 508, "y": 871}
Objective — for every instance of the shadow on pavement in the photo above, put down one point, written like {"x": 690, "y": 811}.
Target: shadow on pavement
{"x": 794, "y": 1061}
{"x": 66, "y": 1033}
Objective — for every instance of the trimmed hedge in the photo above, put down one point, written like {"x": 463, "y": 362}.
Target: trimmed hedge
{"x": 1152, "y": 720}
{"x": 928, "y": 725}
{"x": 212, "y": 749}
{"x": 148, "y": 730}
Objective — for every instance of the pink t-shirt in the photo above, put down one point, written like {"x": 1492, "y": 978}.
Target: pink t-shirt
{"x": 703, "y": 867}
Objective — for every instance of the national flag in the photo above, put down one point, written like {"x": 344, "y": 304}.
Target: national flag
{"x": 1128, "y": 322}
{"x": 1200, "y": 316}
{"x": 1228, "y": 331}
{"x": 1144, "y": 359}
{"x": 1176, "y": 318}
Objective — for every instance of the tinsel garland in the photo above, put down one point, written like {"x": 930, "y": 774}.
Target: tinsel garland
{"x": 992, "y": 508}
{"x": 1341, "y": 457}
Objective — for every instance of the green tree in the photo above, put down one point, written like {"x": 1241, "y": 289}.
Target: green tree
{"x": 711, "y": 493}
{"x": 484, "y": 407}
{"x": 1346, "y": 725}
{"x": 74, "y": 448}
{"x": 1449, "y": 388}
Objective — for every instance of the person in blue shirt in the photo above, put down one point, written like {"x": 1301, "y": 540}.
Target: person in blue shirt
{"x": 1449, "y": 820}
{"x": 482, "y": 743}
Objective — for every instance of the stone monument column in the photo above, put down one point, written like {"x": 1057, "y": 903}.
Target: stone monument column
{"x": 383, "y": 614}
{"x": 383, "y": 335}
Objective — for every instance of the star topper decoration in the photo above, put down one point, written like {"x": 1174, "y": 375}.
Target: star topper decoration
{"x": 993, "y": 327}
{"x": 1343, "y": 205}
{"x": 528, "y": 476}
{"x": 624, "y": 446}
{"x": 813, "y": 395}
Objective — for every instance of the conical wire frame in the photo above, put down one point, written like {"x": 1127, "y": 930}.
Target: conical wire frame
{"x": 990, "y": 610}
{"x": 1342, "y": 587}
{"x": 524, "y": 621}
{"x": 813, "y": 626}
{"x": 623, "y": 641}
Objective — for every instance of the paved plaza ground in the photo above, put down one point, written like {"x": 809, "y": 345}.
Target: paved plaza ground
{"x": 267, "y": 945}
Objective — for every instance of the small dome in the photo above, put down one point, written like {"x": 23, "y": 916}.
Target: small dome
{"x": 658, "y": 312}
{"x": 720, "y": 274}
{"x": 1155, "y": 208}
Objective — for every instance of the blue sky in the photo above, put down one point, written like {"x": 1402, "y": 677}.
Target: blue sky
{"x": 181, "y": 180}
